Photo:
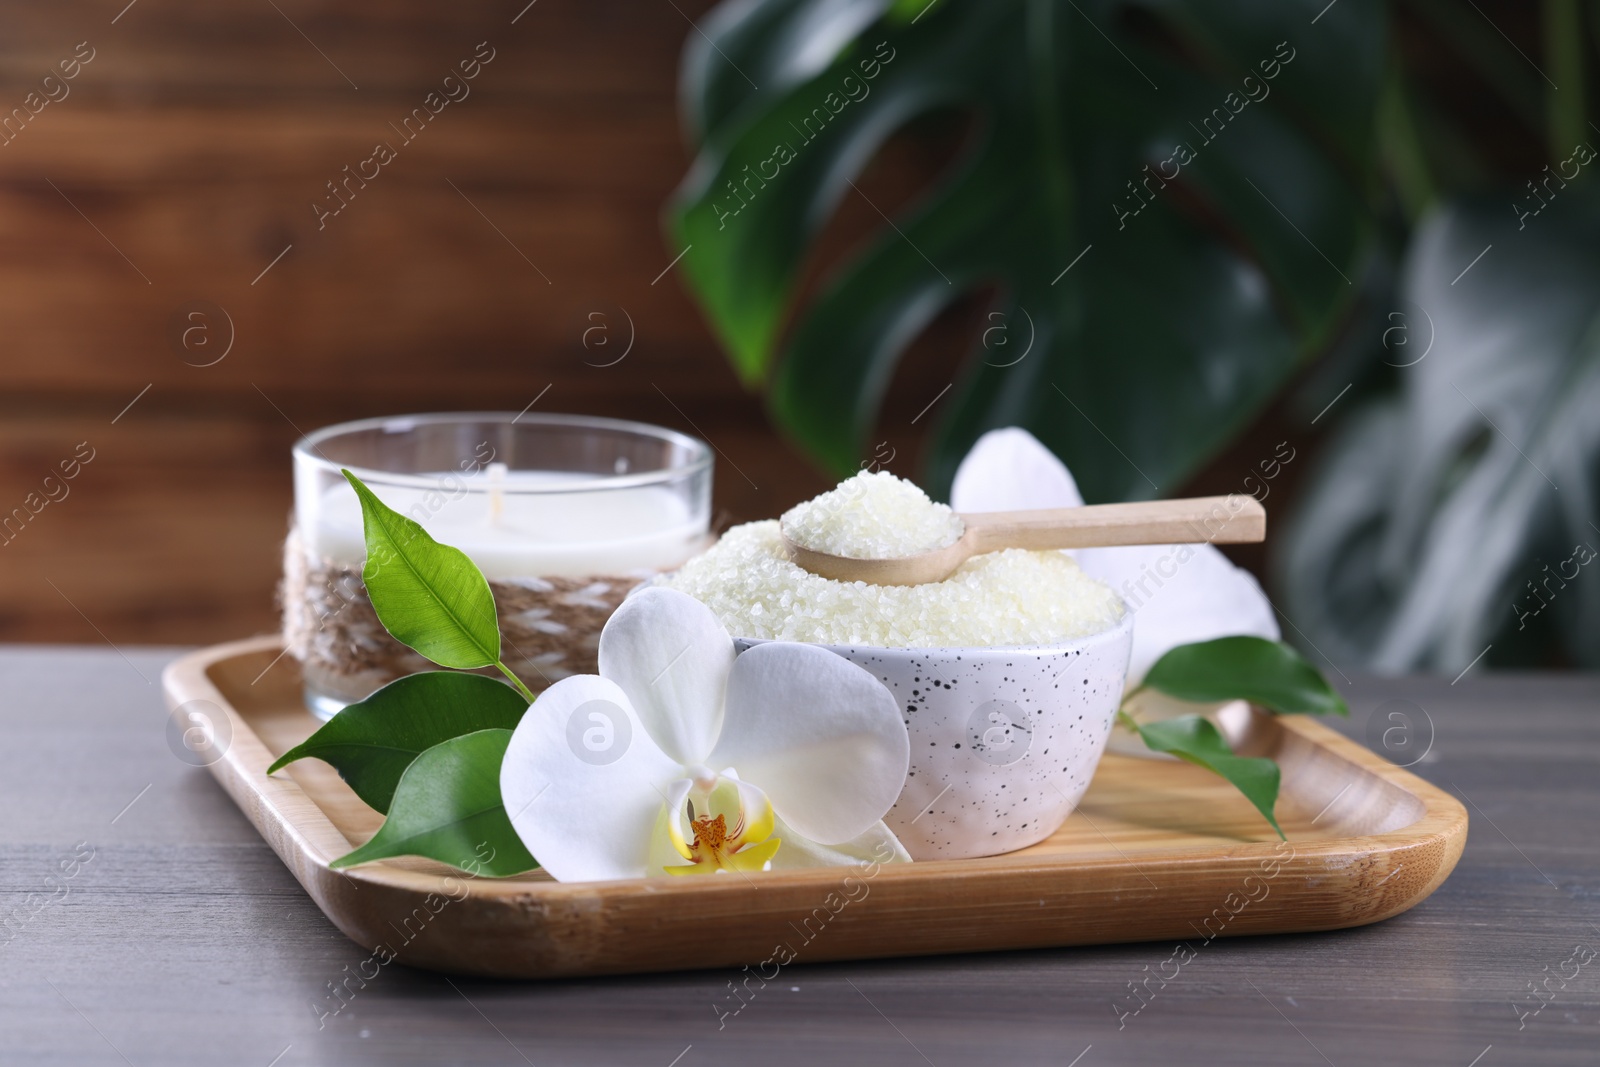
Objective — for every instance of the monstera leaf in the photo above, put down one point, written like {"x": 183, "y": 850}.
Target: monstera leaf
{"x": 1462, "y": 513}
{"x": 1167, "y": 196}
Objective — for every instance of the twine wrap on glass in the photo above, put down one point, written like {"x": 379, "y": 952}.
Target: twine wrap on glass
{"x": 550, "y": 627}
{"x": 563, "y": 514}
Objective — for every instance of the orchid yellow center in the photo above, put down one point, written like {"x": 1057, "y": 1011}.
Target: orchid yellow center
{"x": 708, "y": 805}
{"x": 710, "y": 833}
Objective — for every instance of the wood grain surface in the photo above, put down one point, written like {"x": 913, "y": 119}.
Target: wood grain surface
{"x": 186, "y": 158}
{"x": 1157, "y": 849}
{"x": 185, "y": 941}
{"x": 484, "y": 265}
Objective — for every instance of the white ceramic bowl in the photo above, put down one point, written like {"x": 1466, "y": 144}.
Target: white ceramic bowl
{"x": 1003, "y": 740}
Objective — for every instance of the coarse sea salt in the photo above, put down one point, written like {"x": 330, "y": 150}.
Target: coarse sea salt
{"x": 1014, "y": 597}
{"x": 873, "y": 515}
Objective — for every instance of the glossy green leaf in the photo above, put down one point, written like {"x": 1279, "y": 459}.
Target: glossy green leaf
{"x": 447, "y": 807}
{"x": 1268, "y": 673}
{"x": 1195, "y": 739}
{"x": 1460, "y": 513}
{"x": 429, "y": 596}
{"x": 371, "y": 742}
{"x": 1137, "y": 328}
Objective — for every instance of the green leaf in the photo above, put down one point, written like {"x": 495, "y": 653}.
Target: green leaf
{"x": 447, "y": 807}
{"x": 1458, "y": 513}
{"x": 1264, "y": 672}
{"x": 371, "y": 742}
{"x": 1183, "y": 317}
{"x": 1490, "y": 55}
{"x": 429, "y": 596}
{"x": 1195, "y": 739}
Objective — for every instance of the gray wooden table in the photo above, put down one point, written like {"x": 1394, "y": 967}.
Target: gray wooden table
{"x": 144, "y": 922}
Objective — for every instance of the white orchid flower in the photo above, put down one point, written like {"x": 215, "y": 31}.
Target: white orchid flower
{"x": 1179, "y": 593}
{"x": 682, "y": 757}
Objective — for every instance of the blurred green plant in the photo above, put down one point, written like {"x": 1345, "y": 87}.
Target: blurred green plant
{"x": 1269, "y": 674}
{"x": 1180, "y": 206}
{"x": 1461, "y": 513}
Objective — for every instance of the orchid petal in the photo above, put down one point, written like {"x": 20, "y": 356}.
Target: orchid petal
{"x": 669, "y": 849}
{"x": 671, "y": 656}
{"x": 744, "y": 814}
{"x": 877, "y": 844}
{"x": 1009, "y": 470}
{"x": 756, "y": 857}
{"x": 821, "y": 736}
{"x": 585, "y": 811}
{"x": 1179, "y": 593}
{"x": 745, "y": 809}
{"x": 757, "y": 809}
{"x": 703, "y": 867}
{"x": 673, "y": 819}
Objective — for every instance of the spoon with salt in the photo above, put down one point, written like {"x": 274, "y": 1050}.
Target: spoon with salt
{"x": 1214, "y": 519}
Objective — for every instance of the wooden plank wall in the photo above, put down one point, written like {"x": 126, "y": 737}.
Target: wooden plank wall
{"x": 180, "y": 164}
{"x": 182, "y": 160}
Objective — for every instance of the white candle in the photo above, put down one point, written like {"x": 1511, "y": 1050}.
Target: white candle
{"x": 512, "y": 534}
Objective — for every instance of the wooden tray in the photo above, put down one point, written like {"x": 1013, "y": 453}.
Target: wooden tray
{"x": 1158, "y": 850}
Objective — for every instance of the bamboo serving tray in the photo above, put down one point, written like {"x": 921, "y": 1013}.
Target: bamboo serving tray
{"x": 1157, "y": 850}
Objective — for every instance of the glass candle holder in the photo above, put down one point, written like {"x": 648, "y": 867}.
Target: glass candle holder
{"x": 564, "y": 514}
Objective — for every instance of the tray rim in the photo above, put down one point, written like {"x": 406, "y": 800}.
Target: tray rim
{"x": 304, "y": 837}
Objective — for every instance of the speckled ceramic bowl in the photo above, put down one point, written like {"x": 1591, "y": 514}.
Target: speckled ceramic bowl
{"x": 1003, "y": 740}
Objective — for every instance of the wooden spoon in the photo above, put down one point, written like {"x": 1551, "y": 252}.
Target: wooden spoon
{"x": 1216, "y": 519}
